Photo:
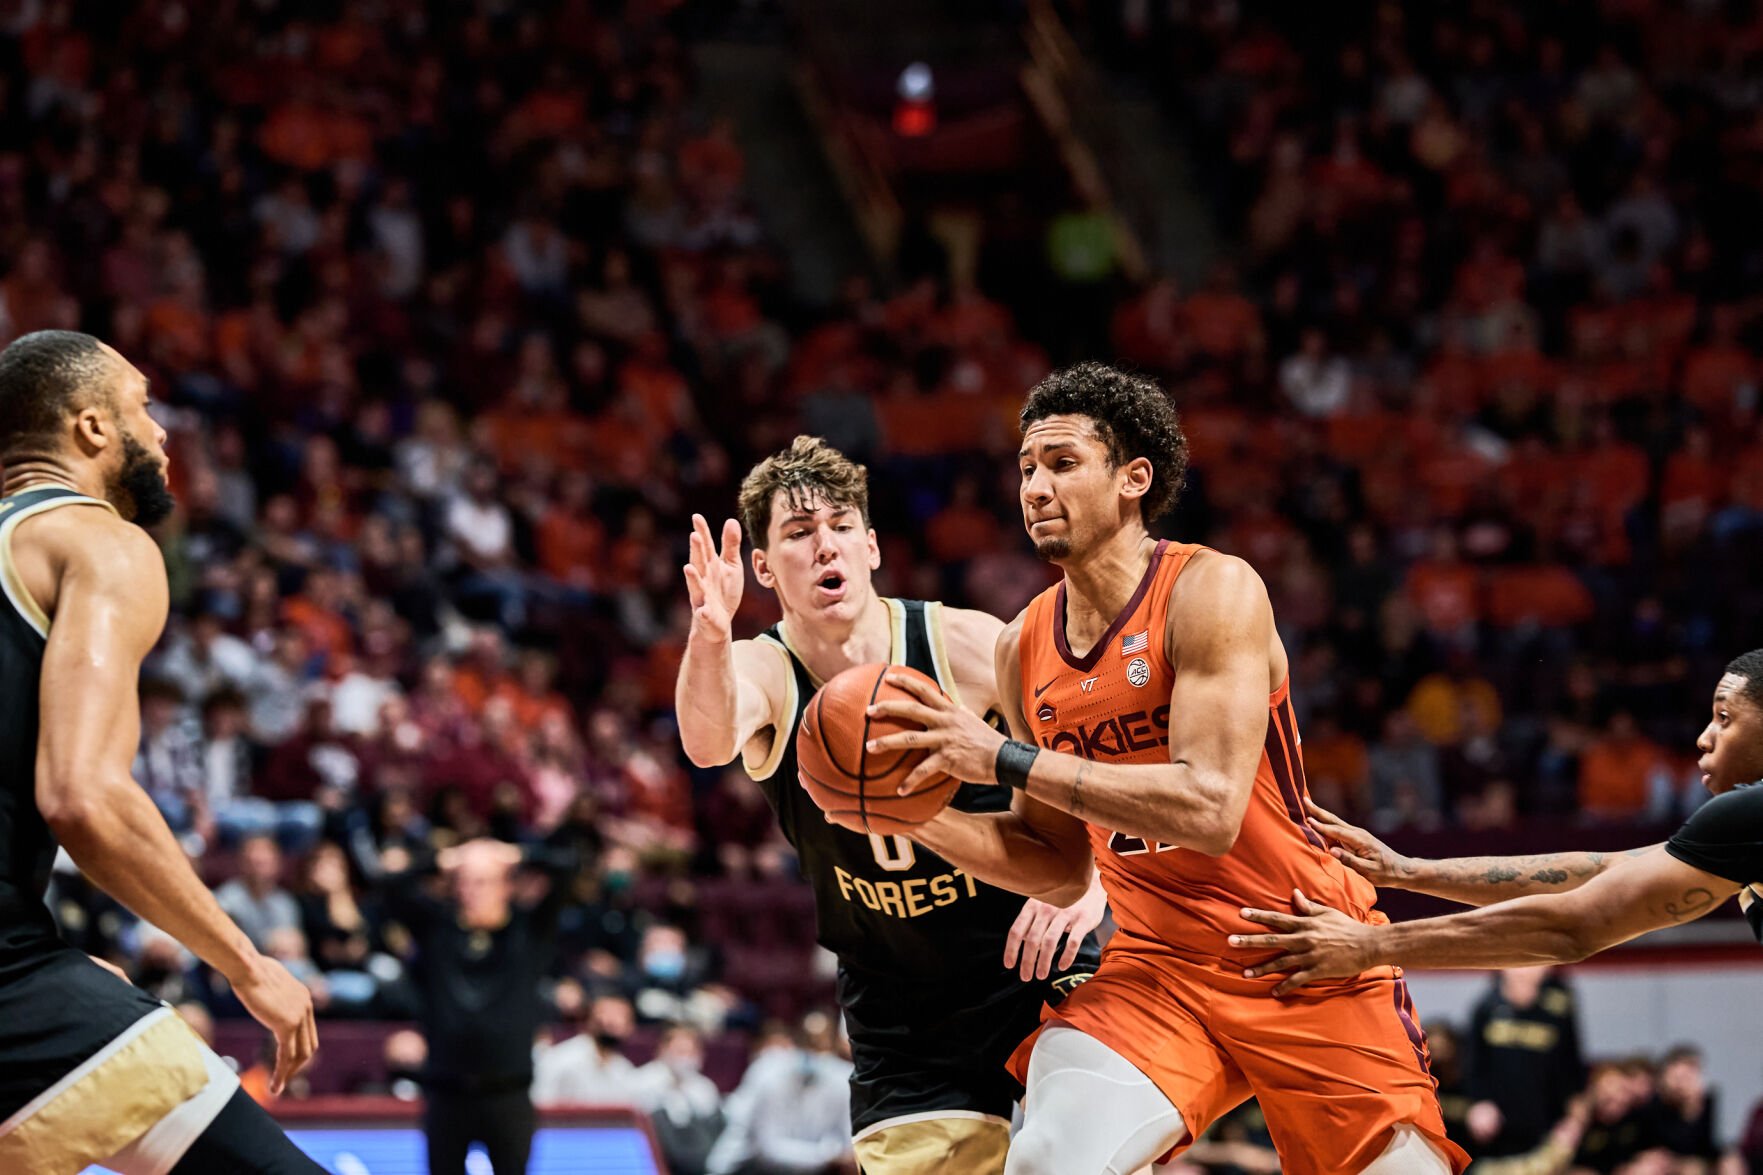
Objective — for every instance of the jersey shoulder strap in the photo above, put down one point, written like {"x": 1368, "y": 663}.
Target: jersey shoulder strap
{"x": 14, "y": 509}
{"x": 798, "y": 688}
{"x": 923, "y": 642}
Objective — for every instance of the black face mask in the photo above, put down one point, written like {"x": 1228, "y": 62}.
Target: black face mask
{"x": 142, "y": 482}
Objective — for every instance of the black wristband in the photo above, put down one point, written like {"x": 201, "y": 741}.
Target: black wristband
{"x": 1014, "y": 760}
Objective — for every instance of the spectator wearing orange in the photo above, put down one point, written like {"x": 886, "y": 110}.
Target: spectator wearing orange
{"x": 1222, "y": 322}
{"x": 319, "y": 612}
{"x": 963, "y": 529}
{"x": 1444, "y": 589}
{"x": 1616, "y": 769}
{"x": 1337, "y": 763}
{"x": 1691, "y": 488}
{"x": 571, "y": 541}
{"x": 530, "y": 692}
{"x": 1720, "y": 375}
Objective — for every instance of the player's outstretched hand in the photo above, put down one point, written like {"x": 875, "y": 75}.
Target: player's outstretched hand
{"x": 715, "y": 579}
{"x": 1315, "y": 942}
{"x": 959, "y": 741}
{"x": 1035, "y": 936}
{"x": 1358, "y": 850}
{"x": 281, "y": 1004}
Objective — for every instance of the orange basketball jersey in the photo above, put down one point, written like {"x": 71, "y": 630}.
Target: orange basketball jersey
{"x": 1112, "y": 706}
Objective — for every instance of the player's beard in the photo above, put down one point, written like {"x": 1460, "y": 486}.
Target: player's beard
{"x": 138, "y": 490}
{"x": 1053, "y": 549}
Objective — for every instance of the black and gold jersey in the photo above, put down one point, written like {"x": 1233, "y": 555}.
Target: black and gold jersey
{"x": 932, "y": 1012}
{"x": 886, "y": 905}
{"x": 57, "y": 1009}
{"x": 26, "y": 847}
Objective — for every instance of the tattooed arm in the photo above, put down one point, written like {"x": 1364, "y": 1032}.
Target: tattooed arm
{"x": 1481, "y": 881}
{"x": 1474, "y": 881}
{"x": 1655, "y": 891}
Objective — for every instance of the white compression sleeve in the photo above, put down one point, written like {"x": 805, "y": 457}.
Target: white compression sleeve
{"x": 1089, "y": 1111}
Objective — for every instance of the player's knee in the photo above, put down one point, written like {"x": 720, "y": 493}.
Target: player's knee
{"x": 1410, "y": 1152}
{"x": 1033, "y": 1151}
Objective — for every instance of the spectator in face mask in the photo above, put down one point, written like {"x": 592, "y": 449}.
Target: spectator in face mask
{"x": 667, "y": 983}
{"x": 590, "y": 1066}
{"x": 686, "y": 1105}
{"x": 792, "y": 1112}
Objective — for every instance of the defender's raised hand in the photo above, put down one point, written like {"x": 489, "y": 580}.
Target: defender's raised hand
{"x": 715, "y": 579}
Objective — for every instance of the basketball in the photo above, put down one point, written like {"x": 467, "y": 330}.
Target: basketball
{"x": 836, "y": 767}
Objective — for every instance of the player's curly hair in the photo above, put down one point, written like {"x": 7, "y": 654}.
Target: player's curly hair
{"x": 1750, "y": 667}
{"x": 810, "y": 473}
{"x": 1133, "y": 417}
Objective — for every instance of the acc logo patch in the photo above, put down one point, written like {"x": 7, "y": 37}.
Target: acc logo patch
{"x": 1047, "y": 713}
{"x": 1138, "y": 672}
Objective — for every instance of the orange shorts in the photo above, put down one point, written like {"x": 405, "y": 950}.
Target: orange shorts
{"x": 1336, "y": 1066}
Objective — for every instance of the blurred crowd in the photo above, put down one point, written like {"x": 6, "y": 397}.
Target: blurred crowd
{"x": 456, "y": 311}
{"x": 1478, "y": 392}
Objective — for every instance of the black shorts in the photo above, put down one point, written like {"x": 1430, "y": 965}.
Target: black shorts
{"x": 57, "y": 1008}
{"x": 917, "y": 1048}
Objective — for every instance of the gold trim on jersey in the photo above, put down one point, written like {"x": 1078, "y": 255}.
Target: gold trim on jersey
{"x": 897, "y": 633}
{"x": 781, "y": 642}
{"x": 896, "y": 639}
{"x": 20, "y": 597}
{"x": 779, "y": 736}
{"x": 151, "y": 1068}
{"x": 936, "y": 630}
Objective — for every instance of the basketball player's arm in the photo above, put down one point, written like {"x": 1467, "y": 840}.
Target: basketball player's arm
{"x": 1044, "y": 937}
{"x": 971, "y": 642}
{"x": 1220, "y": 632}
{"x": 1655, "y": 891}
{"x": 1033, "y": 849}
{"x": 109, "y": 609}
{"x": 728, "y": 691}
{"x": 1474, "y": 881}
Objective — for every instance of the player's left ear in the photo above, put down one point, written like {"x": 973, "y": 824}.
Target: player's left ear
{"x": 1135, "y": 477}
{"x": 874, "y": 551}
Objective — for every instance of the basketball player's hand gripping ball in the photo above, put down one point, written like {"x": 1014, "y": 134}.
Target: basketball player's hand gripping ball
{"x": 959, "y": 742}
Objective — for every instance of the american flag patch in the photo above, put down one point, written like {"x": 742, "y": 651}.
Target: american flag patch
{"x": 1138, "y": 642}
